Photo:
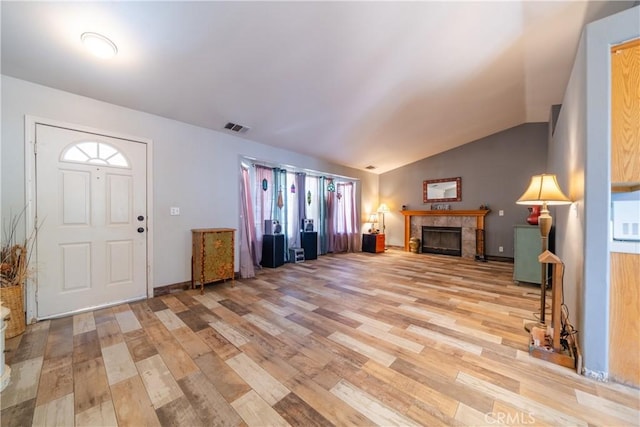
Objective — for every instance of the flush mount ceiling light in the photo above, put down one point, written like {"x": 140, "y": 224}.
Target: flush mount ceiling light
{"x": 99, "y": 45}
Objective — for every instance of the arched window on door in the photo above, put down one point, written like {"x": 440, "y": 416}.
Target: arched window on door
{"x": 96, "y": 153}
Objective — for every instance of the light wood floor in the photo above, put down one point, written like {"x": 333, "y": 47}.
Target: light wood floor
{"x": 392, "y": 339}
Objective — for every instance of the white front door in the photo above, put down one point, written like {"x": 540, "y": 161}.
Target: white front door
{"x": 91, "y": 214}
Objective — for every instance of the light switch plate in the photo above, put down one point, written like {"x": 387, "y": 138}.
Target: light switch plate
{"x": 174, "y": 211}
{"x": 500, "y": 212}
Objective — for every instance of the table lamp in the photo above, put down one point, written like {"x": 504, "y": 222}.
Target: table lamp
{"x": 373, "y": 218}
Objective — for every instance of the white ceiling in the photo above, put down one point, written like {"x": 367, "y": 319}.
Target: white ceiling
{"x": 355, "y": 83}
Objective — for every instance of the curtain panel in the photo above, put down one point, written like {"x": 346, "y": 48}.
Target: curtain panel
{"x": 346, "y": 228}
{"x": 247, "y": 233}
{"x": 323, "y": 234}
{"x": 295, "y": 210}
{"x": 263, "y": 206}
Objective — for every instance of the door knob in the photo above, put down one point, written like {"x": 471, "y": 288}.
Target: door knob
{"x": 140, "y": 218}
{"x": 140, "y": 230}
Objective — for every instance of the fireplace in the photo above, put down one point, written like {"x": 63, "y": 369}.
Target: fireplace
{"x": 442, "y": 240}
{"x": 471, "y": 221}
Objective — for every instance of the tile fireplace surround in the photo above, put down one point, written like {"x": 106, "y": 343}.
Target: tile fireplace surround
{"x": 469, "y": 220}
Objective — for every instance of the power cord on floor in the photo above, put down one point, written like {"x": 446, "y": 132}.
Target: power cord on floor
{"x": 567, "y": 330}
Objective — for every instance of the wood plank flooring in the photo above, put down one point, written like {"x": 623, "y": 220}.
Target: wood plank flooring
{"x": 350, "y": 339}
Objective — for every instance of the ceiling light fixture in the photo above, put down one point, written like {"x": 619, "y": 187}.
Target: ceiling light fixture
{"x": 99, "y": 45}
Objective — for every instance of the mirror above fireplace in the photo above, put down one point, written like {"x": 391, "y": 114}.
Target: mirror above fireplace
{"x": 442, "y": 190}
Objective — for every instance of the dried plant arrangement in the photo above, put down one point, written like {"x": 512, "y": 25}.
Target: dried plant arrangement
{"x": 14, "y": 270}
{"x": 14, "y": 257}
{"x": 14, "y": 265}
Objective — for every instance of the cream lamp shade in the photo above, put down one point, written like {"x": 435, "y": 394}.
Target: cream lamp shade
{"x": 383, "y": 208}
{"x": 543, "y": 189}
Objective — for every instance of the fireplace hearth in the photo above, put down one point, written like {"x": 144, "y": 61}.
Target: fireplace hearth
{"x": 442, "y": 240}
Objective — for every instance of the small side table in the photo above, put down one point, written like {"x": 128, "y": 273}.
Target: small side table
{"x": 373, "y": 243}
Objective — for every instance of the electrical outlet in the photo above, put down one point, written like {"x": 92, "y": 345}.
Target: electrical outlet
{"x": 500, "y": 212}
{"x": 500, "y": 249}
{"x": 174, "y": 211}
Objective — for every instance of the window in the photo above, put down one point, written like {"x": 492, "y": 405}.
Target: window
{"x": 95, "y": 153}
{"x": 279, "y": 194}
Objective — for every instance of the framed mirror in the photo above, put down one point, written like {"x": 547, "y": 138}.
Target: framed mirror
{"x": 442, "y": 190}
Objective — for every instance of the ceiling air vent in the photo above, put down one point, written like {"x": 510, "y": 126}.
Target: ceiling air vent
{"x": 236, "y": 127}
{"x": 370, "y": 167}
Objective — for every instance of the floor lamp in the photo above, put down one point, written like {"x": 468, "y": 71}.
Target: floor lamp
{"x": 543, "y": 190}
{"x": 383, "y": 209}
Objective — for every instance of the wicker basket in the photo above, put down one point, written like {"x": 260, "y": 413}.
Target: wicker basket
{"x": 12, "y": 298}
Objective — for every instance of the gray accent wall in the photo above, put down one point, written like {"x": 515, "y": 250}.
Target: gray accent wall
{"x": 495, "y": 170}
{"x": 580, "y": 155}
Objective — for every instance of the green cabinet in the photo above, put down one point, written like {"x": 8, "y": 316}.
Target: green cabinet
{"x": 527, "y": 246}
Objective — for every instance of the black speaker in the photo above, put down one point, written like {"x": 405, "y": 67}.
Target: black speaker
{"x": 272, "y": 250}
{"x": 309, "y": 241}
{"x": 272, "y": 226}
{"x": 307, "y": 224}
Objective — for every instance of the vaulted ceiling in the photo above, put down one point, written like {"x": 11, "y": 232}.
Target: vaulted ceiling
{"x": 354, "y": 83}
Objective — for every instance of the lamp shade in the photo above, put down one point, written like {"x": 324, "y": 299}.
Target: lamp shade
{"x": 543, "y": 189}
{"x": 383, "y": 208}
{"x": 373, "y": 218}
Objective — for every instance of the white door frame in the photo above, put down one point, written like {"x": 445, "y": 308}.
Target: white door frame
{"x": 30, "y": 123}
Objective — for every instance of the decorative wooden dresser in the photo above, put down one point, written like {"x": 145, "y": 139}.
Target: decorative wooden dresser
{"x": 213, "y": 255}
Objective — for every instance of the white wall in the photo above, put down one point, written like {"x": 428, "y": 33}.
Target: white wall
{"x": 196, "y": 169}
{"x": 580, "y": 155}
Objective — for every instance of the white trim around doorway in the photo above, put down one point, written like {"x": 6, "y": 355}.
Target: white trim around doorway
{"x": 30, "y": 123}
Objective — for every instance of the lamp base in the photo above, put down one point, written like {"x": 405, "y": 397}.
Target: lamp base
{"x": 540, "y": 347}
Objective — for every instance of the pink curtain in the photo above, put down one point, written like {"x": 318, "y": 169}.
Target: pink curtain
{"x": 247, "y": 229}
